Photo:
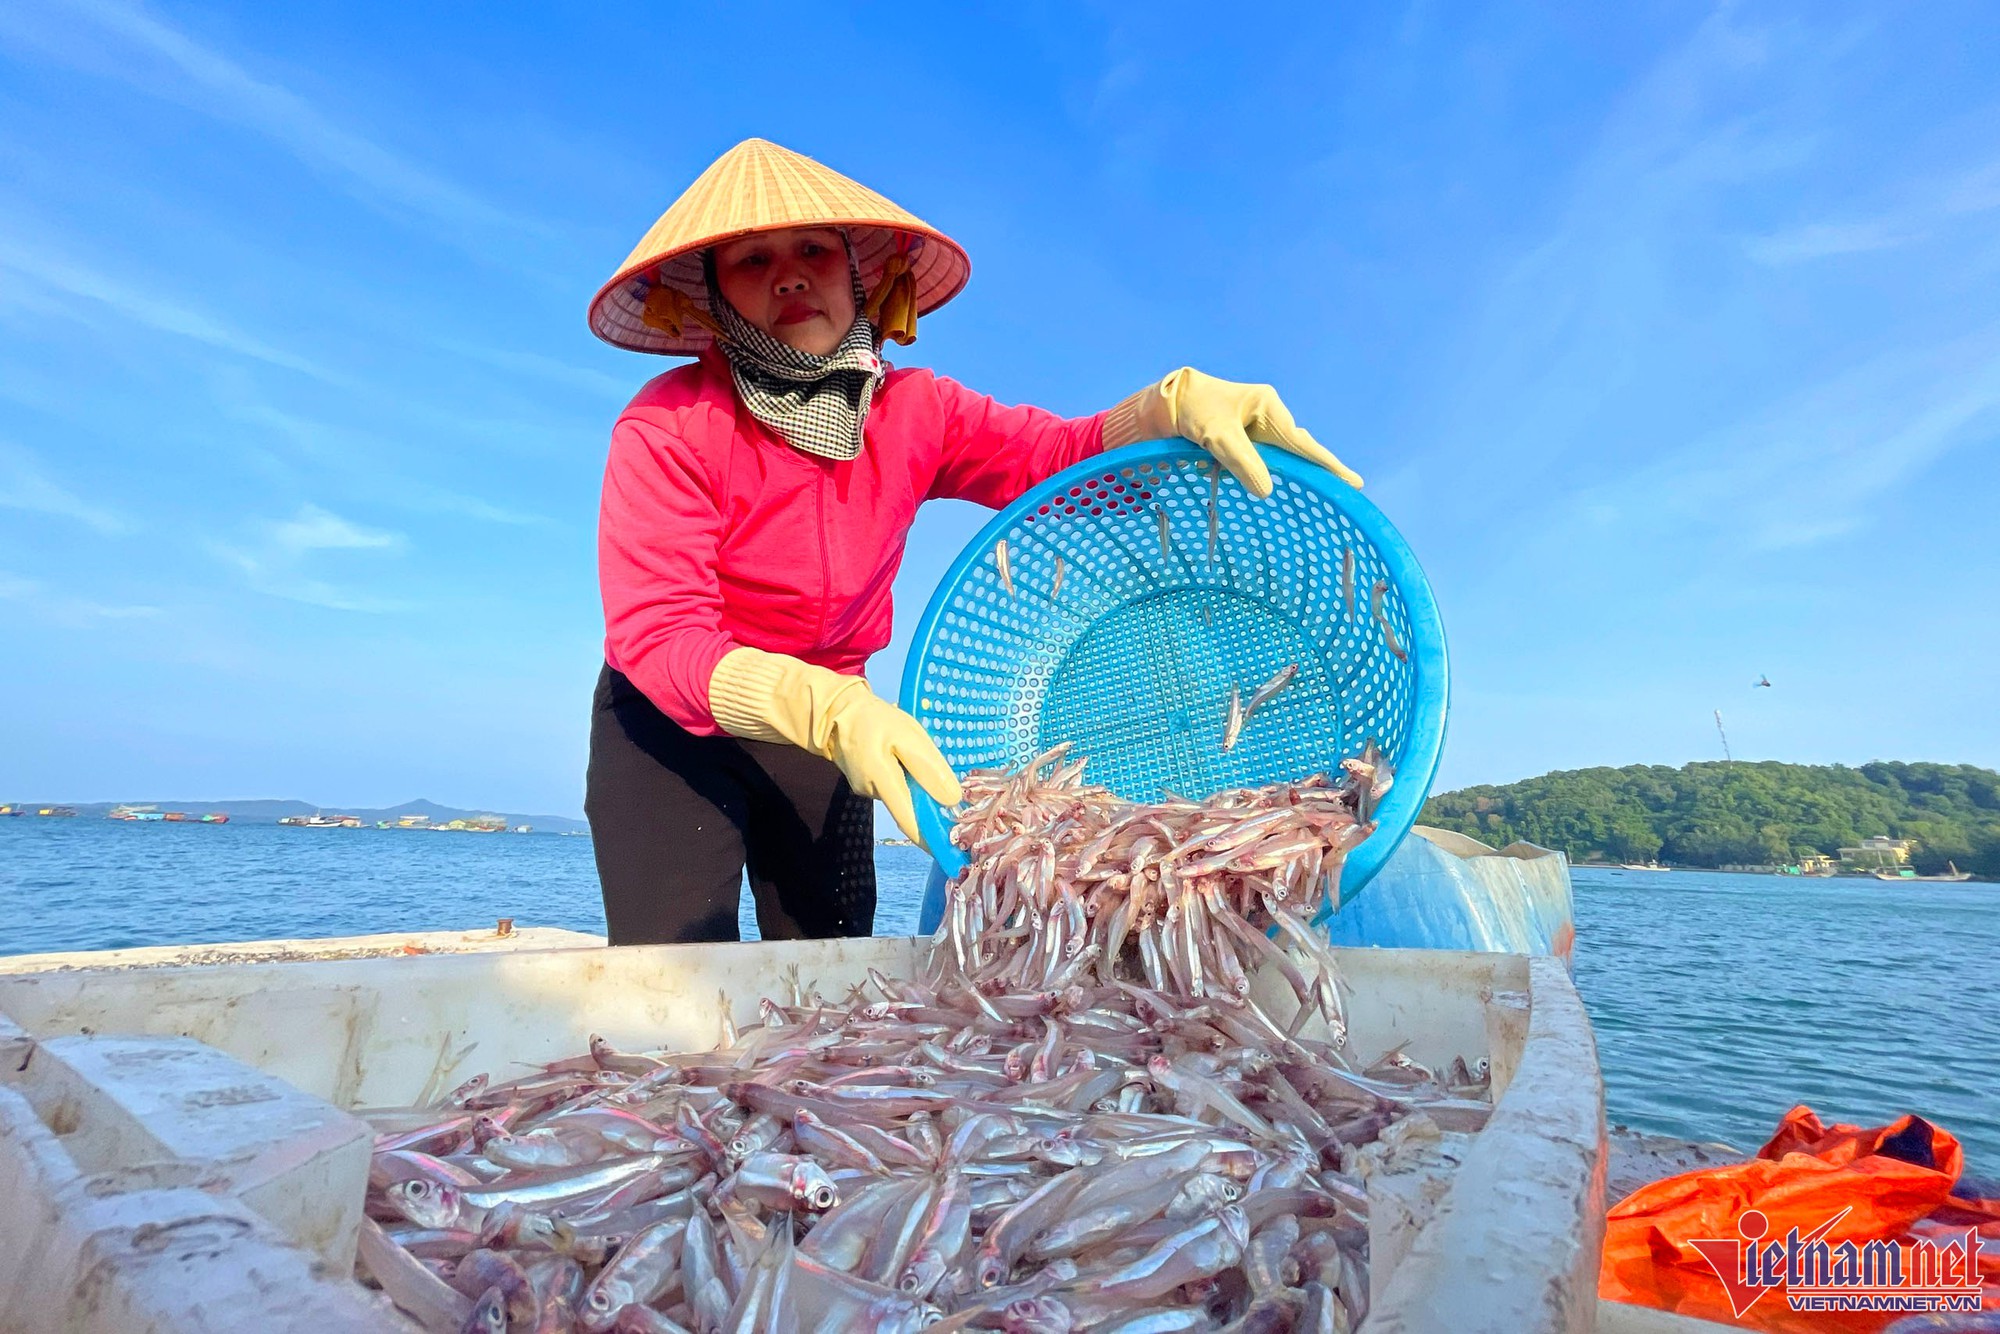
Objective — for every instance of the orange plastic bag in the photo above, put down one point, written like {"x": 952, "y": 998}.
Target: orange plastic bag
{"x": 1909, "y": 1138}
{"x": 1678, "y": 1244}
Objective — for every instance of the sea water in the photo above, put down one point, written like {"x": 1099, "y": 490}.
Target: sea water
{"x": 1719, "y": 1001}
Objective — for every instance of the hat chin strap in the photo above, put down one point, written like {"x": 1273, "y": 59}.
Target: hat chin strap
{"x": 673, "y": 310}
{"x": 893, "y": 306}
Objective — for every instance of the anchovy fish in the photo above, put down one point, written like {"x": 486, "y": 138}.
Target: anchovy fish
{"x": 1382, "y": 619}
{"x": 1347, "y": 580}
{"x": 1269, "y": 690}
{"x": 1076, "y": 1112}
{"x": 1233, "y": 720}
{"x": 1166, "y": 537}
{"x": 1214, "y": 518}
{"x": 644, "y": 1268}
{"x": 489, "y": 1314}
{"x": 1000, "y": 563}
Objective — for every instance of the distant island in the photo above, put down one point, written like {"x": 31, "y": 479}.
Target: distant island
{"x": 1756, "y": 815}
{"x": 1763, "y": 815}
{"x": 264, "y": 810}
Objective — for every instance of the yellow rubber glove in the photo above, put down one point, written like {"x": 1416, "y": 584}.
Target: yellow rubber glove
{"x": 761, "y": 696}
{"x": 1223, "y": 417}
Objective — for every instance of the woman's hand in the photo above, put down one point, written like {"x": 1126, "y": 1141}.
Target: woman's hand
{"x": 880, "y": 749}
{"x": 1224, "y": 418}
{"x": 763, "y": 696}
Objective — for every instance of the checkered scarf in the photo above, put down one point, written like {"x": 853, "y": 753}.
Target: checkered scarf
{"x": 817, "y": 404}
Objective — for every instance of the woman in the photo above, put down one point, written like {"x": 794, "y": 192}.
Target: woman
{"x": 755, "y": 508}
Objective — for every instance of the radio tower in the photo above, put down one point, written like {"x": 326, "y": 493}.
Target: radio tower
{"x": 1727, "y": 758}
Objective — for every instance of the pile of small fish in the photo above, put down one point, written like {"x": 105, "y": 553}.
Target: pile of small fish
{"x": 1109, "y": 1102}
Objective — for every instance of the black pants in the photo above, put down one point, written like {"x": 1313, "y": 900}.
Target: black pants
{"x": 675, "y": 819}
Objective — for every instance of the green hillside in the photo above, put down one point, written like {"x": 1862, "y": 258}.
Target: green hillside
{"x": 1716, "y": 814}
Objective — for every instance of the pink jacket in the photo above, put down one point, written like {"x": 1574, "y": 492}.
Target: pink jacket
{"x": 714, "y": 534}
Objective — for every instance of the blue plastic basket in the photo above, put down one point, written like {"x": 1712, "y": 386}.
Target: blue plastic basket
{"x": 1133, "y": 657}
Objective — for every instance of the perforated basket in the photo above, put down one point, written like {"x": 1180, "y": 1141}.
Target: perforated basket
{"x": 1133, "y": 657}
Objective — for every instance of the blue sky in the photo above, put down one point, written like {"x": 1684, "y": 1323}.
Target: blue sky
{"x": 1667, "y": 333}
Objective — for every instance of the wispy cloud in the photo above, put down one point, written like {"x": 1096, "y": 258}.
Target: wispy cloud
{"x": 1592, "y": 369}
{"x": 547, "y": 368}
{"x": 63, "y": 607}
{"x": 24, "y": 485}
{"x": 1570, "y": 323}
{"x": 1928, "y": 207}
{"x": 68, "y": 281}
{"x": 275, "y": 559}
{"x": 128, "y": 43}
{"x": 315, "y": 529}
{"x": 1820, "y": 239}
{"x": 1811, "y": 467}
{"x": 361, "y": 451}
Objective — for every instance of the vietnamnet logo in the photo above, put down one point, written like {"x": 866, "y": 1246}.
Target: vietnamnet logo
{"x": 1816, "y": 1275}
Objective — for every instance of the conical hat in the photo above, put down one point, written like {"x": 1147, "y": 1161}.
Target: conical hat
{"x": 759, "y": 187}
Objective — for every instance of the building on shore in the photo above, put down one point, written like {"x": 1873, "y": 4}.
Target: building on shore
{"x": 1876, "y": 854}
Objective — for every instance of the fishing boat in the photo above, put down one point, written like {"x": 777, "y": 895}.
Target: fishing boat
{"x": 215, "y": 817}
{"x": 1950, "y": 875}
{"x": 238, "y": 1066}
